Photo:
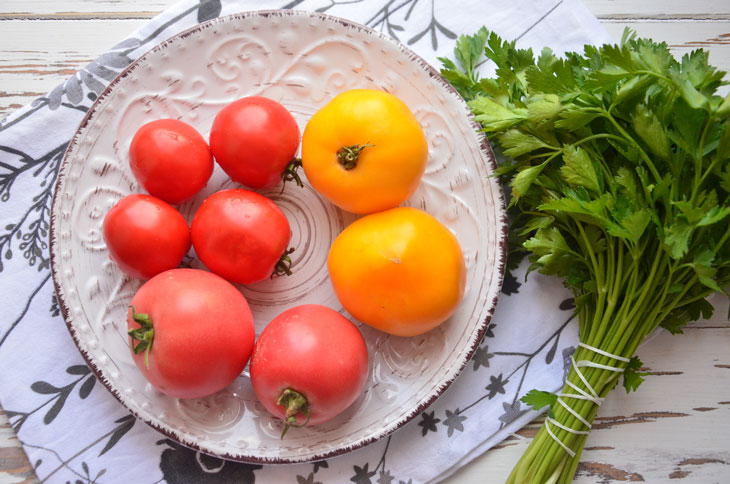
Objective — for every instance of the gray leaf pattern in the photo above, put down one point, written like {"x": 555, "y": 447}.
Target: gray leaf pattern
{"x": 511, "y": 411}
{"x": 73, "y": 90}
{"x": 209, "y": 9}
{"x": 114, "y": 60}
{"x": 100, "y": 71}
{"x": 454, "y": 421}
{"x": 481, "y": 357}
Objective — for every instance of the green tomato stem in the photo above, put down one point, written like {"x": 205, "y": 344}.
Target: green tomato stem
{"x": 283, "y": 267}
{"x": 291, "y": 173}
{"x": 144, "y": 335}
{"x": 348, "y": 156}
{"x": 295, "y": 404}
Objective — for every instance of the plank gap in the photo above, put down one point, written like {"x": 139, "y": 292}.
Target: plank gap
{"x": 76, "y": 16}
{"x": 665, "y": 17}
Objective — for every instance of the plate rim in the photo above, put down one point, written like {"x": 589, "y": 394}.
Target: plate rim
{"x": 488, "y": 157}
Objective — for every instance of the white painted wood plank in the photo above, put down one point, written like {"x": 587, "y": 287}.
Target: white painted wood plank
{"x": 35, "y": 56}
{"x": 601, "y": 8}
{"x": 14, "y": 465}
{"x": 7, "y": 436}
{"x": 659, "y": 8}
{"x": 44, "y": 7}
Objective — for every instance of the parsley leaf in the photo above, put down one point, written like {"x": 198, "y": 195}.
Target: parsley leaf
{"x": 632, "y": 377}
{"x": 538, "y": 399}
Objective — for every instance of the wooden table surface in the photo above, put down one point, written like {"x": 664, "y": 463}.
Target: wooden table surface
{"x": 675, "y": 429}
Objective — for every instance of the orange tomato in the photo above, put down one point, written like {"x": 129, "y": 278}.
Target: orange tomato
{"x": 364, "y": 151}
{"x": 400, "y": 271}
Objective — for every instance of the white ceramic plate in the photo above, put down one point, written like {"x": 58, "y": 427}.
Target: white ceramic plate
{"x": 301, "y": 60}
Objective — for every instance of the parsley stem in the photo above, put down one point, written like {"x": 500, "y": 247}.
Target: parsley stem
{"x": 701, "y": 174}
{"x": 720, "y": 243}
{"x": 634, "y": 143}
{"x": 599, "y": 136}
{"x": 679, "y": 300}
{"x": 587, "y": 248}
{"x": 616, "y": 273}
{"x": 669, "y": 104}
{"x": 619, "y": 327}
{"x": 655, "y": 74}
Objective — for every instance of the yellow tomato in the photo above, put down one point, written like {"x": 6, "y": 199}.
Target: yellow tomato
{"x": 400, "y": 271}
{"x": 364, "y": 151}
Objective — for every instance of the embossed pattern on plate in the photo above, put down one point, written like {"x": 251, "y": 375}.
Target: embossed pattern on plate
{"x": 301, "y": 60}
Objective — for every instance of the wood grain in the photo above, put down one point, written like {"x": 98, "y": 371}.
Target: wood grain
{"x": 14, "y": 465}
{"x": 603, "y": 9}
{"x": 659, "y": 9}
{"x": 82, "y": 8}
{"x": 37, "y": 55}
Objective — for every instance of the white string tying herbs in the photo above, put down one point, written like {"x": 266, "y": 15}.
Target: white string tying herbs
{"x": 581, "y": 394}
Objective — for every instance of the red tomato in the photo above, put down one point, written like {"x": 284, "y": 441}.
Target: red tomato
{"x": 254, "y": 139}
{"x": 241, "y": 235}
{"x": 191, "y": 331}
{"x": 145, "y": 235}
{"x": 309, "y": 364}
{"x": 170, "y": 159}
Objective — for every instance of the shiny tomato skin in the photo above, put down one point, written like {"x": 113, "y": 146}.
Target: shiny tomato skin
{"x": 400, "y": 271}
{"x": 315, "y": 351}
{"x": 253, "y": 139}
{"x": 391, "y": 145}
{"x": 203, "y": 332}
{"x": 171, "y": 160}
{"x": 240, "y": 235}
{"x": 145, "y": 235}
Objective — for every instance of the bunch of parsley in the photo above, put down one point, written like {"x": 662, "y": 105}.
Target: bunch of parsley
{"x": 618, "y": 174}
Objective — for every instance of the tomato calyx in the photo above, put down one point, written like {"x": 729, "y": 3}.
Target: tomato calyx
{"x": 295, "y": 403}
{"x": 283, "y": 267}
{"x": 347, "y": 156}
{"x": 290, "y": 173}
{"x": 144, "y": 335}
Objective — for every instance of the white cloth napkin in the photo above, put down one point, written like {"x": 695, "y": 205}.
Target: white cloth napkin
{"x": 73, "y": 430}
